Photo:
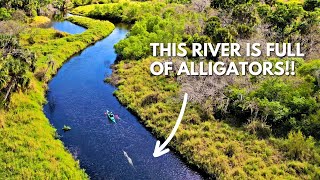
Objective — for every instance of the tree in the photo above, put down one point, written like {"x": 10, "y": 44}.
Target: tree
{"x": 15, "y": 63}
{"x": 211, "y": 25}
{"x": 245, "y": 13}
{"x": 283, "y": 18}
{"x": 311, "y": 5}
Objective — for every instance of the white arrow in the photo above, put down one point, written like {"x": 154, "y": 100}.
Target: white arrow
{"x": 159, "y": 150}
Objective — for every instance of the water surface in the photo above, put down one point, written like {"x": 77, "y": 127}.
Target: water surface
{"x": 78, "y": 97}
{"x": 68, "y": 27}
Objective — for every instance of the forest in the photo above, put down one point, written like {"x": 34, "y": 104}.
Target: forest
{"x": 235, "y": 127}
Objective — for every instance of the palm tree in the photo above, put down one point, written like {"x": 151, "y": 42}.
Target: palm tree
{"x": 17, "y": 71}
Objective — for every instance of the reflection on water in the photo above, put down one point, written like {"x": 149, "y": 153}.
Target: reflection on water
{"x": 78, "y": 97}
{"x": 68, "y": 27}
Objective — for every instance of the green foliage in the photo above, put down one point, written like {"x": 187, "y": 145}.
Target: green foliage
{"x": 274, "y": 101}
{"x": 245, "y": 13}
{"x": 212, "y": 25}
{"x": 179, "y": 1}
{"x": 222, "y": 151}
{"x": 28, "y": 145}
{"x": 284, "y": 19}
{"x": 15, "y": 63}
{"x": 244, "y": 31}
{"x": 311, "y": 5}
{"x": 263, "y": 10}
{"x": 151, "y": 29}
{"x": 128, "y": 12}
{"x": 30, "y": 7}
{"x": 259, "y": 128}
{"x": 229, "y": 4}
{"x": 4, "y": 14}
{"x": 217, "y": 33}
{"x": 77, "y": 3}
{"x": 311, "y": 69}
{"x": 309, "y": 23}
{"x": 298, "y": 147}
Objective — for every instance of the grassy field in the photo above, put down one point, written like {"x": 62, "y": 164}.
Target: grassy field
{"x": 221, "y": 150}
{"x": 291, "y": 1}
{"x": 28, "y": 146}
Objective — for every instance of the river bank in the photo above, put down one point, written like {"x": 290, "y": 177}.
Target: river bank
{"x": 213, "y": 146}
{"x": 218, "y": 134}
{"x": 78, "y": 97}
{"x": 29, "y": 146}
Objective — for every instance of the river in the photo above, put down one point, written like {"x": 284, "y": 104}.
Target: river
{"x": 78, "y": 97}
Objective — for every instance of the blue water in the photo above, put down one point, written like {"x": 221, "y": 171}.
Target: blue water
{"x": 68, "y": 27}
{"x": 78, "y": 97}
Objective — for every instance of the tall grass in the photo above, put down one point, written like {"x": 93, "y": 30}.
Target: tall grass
{"x": 221, "y": 150}
{"x": 28, "y": 148}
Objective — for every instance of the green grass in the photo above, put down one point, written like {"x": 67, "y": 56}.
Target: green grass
{"x": 61, "y": 49}
{"x": 291, "y": 1}
{"x": 215, "y": 147}
{"x": 28, "y": 148}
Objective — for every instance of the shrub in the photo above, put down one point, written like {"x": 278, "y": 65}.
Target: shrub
{"x": 264, "y": 10}
{"x": 4, "y": 14}
{"x": 19, "y": 15}
{"x": 244, "y": 31}
{"x": 216, "y": 32}
{"x": 245, "y": 13}
{"x": 299, "y": 147}
{"x": 259, "y": 128}
{"x": 311, "y": 5}
{"x": 211, "y": 26}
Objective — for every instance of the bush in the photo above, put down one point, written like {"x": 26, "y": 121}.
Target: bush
{"x": 259, "y": 128}
{"x": 264, "y": 10}
{"x": 150, "y": 29}
{"x": 223, "y": 35}
{"x": 211, "y": 26}
{"x": 244, "y": 31}
{"x": 19, "y": 15}
{"x": 4, "y": 14}
{"x": 311, "y": 5}
{"x": 245, "y": 13}
{"x": 299, "y": 147}
{"x": 283, "y": 18}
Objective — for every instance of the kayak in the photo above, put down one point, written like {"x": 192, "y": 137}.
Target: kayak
{"x": 111, "y": 116}
{"x": 66, "y": 128}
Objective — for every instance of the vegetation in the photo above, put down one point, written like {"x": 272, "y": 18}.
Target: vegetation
{"x": 31, "y": 8}
{"x": 235, "y": 127}
{"x": 28, "y": 145}
{"x": 221, "y": 150}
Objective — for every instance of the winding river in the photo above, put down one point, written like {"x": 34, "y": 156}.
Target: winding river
{"x": 78, "y": 97}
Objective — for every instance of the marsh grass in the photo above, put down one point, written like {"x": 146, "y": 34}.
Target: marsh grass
{"x": 220, "y": 150}
{"x": 28, "y": 147}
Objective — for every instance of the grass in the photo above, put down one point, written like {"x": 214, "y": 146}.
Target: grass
{"x": 291, "y": 1}
{"x": 61, "y": 49}
{"x": 39, "y": 21}
{"x": 28, "y": 147}
{"x": 220, "y": 150}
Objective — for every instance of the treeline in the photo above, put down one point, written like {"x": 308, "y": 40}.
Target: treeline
{"x": 272, "y": 105}
{"x": 31, "y": 8}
